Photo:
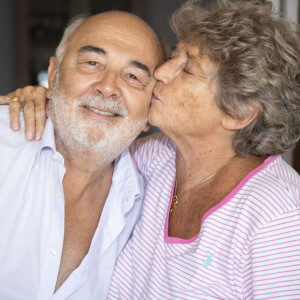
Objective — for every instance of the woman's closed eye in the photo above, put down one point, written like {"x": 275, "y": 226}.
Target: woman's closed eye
{"x": 187, "y": 71}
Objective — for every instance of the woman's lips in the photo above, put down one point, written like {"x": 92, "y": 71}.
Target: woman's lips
{"x": 154, "y": 97}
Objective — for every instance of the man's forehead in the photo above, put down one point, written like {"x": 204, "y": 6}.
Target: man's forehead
{"x": 125, "y": 26}
{"x": 106, "y": 31}
{"x": 140, "y": 55}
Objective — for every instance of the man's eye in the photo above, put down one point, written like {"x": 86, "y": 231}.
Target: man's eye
{"x": 134, "y": 79}
{"x": 131, "y": 76}
{"x": 92, "y": 63}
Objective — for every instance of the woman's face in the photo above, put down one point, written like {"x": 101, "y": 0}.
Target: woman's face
{"x": 184, "y": 97}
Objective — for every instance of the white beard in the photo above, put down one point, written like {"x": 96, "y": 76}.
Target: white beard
{"x": 79, "y": 136}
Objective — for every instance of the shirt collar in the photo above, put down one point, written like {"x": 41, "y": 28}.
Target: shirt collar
{"x": 127, "y": 180}
{"x": 127, "y": 189}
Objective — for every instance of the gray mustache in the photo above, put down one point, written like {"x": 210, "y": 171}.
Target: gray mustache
{"x": 101, "y": 103}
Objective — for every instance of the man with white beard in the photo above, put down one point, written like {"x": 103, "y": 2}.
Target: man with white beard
{"x": 54, "y": 245}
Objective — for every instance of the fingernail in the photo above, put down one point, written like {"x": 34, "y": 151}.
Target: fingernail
{"x": 37, "y": 136}
{"x": 14, "y": 126}
{"x": 29, "y": 135}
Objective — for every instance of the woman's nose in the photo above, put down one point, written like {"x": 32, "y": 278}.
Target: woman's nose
{"x": 166, "y": 72}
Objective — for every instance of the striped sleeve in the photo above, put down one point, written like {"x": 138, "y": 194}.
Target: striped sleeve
{"x": 145, "y": 150}
{"x": 272, "y": 265}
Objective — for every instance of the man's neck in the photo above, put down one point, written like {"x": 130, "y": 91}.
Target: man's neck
{"x": 87, "y": 172}
{"x": 86, "y": 189}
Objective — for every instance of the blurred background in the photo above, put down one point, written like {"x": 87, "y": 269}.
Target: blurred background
{"x": 30, "y": 30}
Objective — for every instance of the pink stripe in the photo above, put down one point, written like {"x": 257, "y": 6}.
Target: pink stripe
{"x": 257, "y": 219}
{"x": 239, "y": 186}
{"x": 216, "y": 207}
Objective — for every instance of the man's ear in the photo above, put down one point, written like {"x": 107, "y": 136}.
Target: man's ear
{"x": 231, "y": 123}
{"x": 52, "y": 70}
{"x": 147, "y": 127}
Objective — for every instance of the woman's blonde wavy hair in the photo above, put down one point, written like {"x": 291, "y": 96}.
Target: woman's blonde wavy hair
{"x": 258, "y": 58}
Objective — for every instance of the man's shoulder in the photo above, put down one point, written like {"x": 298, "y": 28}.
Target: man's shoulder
{"x": 4, "y": 115}
{"x": 13, "y": 143}
{"x": 7, "y": 135}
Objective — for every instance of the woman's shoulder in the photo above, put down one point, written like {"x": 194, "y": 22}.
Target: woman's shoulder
{"x": 156, "y": 147}
{"x": 151, "y": 145}
{"x": 266, "y": 196}
{"x": 271, "y": 190}
{"x": 280, "y": 176}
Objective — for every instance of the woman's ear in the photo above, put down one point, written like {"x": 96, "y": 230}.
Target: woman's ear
{"x": 231, "y": 123}
{"x": 52, "y": 70}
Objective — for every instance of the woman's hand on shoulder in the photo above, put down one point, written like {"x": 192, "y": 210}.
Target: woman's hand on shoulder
{"x": 33, "y": 100}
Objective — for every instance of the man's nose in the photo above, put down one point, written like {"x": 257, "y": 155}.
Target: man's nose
{"x": 107, "y": 85}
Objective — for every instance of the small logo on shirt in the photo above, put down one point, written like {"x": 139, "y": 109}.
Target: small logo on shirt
{"x": 207, "y": 261}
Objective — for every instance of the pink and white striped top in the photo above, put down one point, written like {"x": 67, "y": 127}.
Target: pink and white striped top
{"x": 248, "y": 246}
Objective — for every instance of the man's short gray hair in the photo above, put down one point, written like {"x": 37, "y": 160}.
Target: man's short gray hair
{"x": 69, "y": 30}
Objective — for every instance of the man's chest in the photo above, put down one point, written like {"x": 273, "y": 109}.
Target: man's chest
{"x": 80, "y": 226}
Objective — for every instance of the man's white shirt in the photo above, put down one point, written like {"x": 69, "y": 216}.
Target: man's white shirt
{"x": 32, "y": 220}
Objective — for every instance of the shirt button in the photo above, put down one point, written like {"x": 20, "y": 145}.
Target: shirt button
{"x": 58, "y": 194}
{"x": 52, "y": 252}
{"x": 55, "y": 156}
